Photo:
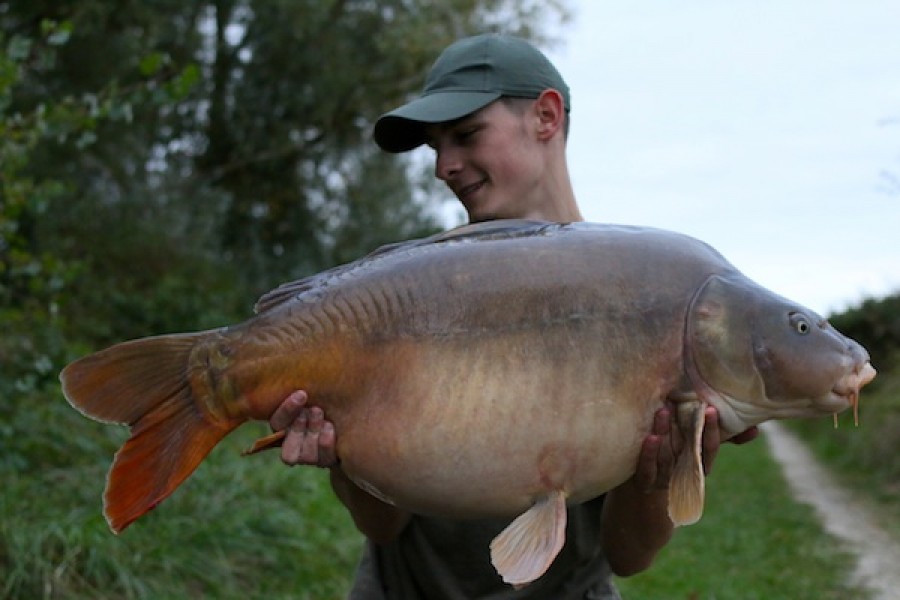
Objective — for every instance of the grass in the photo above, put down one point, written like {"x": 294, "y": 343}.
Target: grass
{"x": 753, "y": 542}
{"x": 239, "y": 528}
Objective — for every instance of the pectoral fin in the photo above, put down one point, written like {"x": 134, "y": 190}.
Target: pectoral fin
{"x": 526, "y": 548}
{"x": 686, "y": 489}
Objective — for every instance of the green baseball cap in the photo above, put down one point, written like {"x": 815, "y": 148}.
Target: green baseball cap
{"x": 467, "y": 76}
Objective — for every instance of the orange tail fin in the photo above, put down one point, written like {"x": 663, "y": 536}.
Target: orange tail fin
{"x": 144, "y": 383}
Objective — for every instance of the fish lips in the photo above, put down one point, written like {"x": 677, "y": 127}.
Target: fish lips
{"x": 846, "y": 390}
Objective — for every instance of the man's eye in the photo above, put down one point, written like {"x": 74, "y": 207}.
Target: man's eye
{"x": 466, "y": 134}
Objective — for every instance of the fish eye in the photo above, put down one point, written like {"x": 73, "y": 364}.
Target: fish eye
{"x": 800, "y": 324}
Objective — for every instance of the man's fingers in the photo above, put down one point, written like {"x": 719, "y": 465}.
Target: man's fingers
{"x": 300, "y": 447}
{"x": 645, "y": 474}
{"x": 322, "y": 433}
{"x": 287, "y": 411}
{"x": 745, "y": 436}
{"x": 310, "y": 440}
{"x": 654, "y": 468}
{"x": 710, "y": 442}
{"x": 327, "y": 449}
{"x": 316, "y": 419}
{"x": 662, "y": 421}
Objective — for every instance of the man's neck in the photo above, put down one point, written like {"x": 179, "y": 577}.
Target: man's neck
{"x": 565, "y": 211}
{"x": 559, "y": 202}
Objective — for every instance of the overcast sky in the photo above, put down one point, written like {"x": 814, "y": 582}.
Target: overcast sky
{"x": 760, "y": 126}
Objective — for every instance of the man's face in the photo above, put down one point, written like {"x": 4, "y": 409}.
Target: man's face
{"x": 491, "y": 160}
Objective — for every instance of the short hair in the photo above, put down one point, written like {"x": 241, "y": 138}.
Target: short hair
{"x": 520, "y": 105}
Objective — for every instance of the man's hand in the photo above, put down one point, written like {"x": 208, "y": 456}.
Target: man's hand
{"x": 309, "y": 439}
{"x": 657, "y": 457}
{"x": 636, "y": 523}
{"x": 664, "y": 443}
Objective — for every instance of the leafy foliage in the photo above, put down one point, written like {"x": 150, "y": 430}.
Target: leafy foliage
{"x": 875, "y": 324}
{"x": 32, "y": 279}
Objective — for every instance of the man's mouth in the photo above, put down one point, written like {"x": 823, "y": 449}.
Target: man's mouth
{"x": 467, "y": 190}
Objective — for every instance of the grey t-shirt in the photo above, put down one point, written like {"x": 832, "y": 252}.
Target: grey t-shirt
{"x": 439, "y": 559}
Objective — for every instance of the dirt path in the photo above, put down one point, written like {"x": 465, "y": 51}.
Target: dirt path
{"x": 841, "y": 513}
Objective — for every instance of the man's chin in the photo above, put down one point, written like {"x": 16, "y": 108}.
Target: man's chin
{"x": 478, "y": 212}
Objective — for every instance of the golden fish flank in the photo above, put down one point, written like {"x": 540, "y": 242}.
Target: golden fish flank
{"x": 508, "y": 339}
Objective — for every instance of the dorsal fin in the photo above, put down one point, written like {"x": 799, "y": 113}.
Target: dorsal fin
{"x": 489, "y": 230}
{"x": 493, "y": 230}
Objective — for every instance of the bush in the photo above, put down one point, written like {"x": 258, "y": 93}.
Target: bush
{"x": 875, "y": 324}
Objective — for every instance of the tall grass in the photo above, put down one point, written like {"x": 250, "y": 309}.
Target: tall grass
{"x": 239, "y": 528}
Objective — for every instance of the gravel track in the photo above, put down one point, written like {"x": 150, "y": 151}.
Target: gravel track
{"x": 841, "y": 512}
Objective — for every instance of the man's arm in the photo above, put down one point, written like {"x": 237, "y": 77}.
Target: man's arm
{"x": 635, "y": 523}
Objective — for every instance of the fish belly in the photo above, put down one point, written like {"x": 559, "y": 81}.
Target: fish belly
{"x": 483, "y": 427}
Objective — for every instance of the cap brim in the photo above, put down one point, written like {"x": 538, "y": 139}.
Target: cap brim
{"x": 403, "y": 129}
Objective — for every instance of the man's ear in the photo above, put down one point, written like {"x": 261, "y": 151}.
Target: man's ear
{"x": 551, "y": 114}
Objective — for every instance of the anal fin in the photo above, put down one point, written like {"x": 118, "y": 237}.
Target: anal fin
{"x": 273, "y": 440}
{"x": 526, "y": 548}
{"x": 687, "y": 488}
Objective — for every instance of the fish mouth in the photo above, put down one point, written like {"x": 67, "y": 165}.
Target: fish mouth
{"x": 846, "y": 390}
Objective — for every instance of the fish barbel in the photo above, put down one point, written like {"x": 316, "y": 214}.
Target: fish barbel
{"x": 546, "y": 347}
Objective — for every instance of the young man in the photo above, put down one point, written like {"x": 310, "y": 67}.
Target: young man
{"x": 495, "y": 111}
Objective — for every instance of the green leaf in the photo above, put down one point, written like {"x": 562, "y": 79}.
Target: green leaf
{"x": 182, "y": 85}
{"x": 60, "y": 35}
{"x": 56, "y": 33}
{"x": 151, "y": 63}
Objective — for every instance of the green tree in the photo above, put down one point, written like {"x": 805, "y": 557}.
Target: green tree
{"x": 31, "y": 279}
{"x": 36, "y": 279}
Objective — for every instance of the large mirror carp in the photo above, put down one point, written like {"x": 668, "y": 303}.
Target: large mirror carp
{"x": 500, "y": 369}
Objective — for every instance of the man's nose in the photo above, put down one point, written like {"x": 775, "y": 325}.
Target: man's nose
{"x": 447, "y": 164}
